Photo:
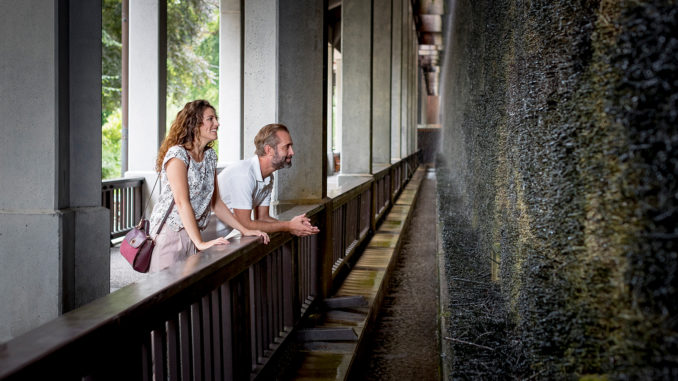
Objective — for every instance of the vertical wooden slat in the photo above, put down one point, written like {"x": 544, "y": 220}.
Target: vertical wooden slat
{"x": 158, "y": 338}
{"x": 123, "y": 208}
{"x": 217, "y": 335}
{"x": 128, "y": 207}
{"x": 337, "y": 235}
{"x": 302, "y": 269}
{"x": 196, "y": 342}
{"x": 268, "y": 305}
{"x": 288, "y": 288}
{"x": 185, "y": 339}
{"x": 207, "y": 336}
{"x": 274, "y": 301}
{"x": 173, "y": 362}
{"x": 146, "y": 358}
{"x": 242, "y": 322}
{"x": 314, "y": 266}
{"x": 115, "y": 225}
{"x": 226, "y": 332}
{"x": 280, "y": 293}
{"x": 255, "y": 312}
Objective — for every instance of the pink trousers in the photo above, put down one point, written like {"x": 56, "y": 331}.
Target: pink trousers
{"x": 170, "y": 247}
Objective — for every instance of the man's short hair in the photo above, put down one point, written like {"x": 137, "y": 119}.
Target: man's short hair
{"x": 268, "y": 136}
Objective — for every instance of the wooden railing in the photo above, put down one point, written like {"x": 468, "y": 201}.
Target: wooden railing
{"x": 382, "y": 192}
{"x": 222, "y": 314}
{"x": 123, "y": 197}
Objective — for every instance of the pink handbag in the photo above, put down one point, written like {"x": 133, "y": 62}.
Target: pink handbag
{"x": 137, "y": 247}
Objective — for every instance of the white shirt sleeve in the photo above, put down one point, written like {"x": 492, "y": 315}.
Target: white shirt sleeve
{"x": 239, "y": 190}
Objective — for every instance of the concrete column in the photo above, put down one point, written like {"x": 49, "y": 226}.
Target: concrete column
{"x": 54, "y": 235}
{"x": 356, "y": 45}
{"x": 396, "y": 80}
{"x": 260, "y": 69}
{"x": 413, "y": 91}
{"x": 340, "y": 108}
{"x": 302, "y": 97}
{"x": 381, "y": 82}
{"x": 147, "y": 87}
{"x": 404, "y": 75}
{"x": 230, "y": 82}
{"x": 330, "y": 123}
{"x": 415, "y": 85}
{"x": 421, "y": 100}
{"x": 284, "y": 74}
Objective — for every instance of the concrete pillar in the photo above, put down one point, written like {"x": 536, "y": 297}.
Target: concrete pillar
{"x": 396, "y": 79}
{"x": 330, "y": 123}
{"x": 415, "y": 86}
{"x": 230, "y": 82}
{"x": 339, "y": 110}
{"x": 421, "y": 99}
{"x": 381, "y": 82}
{"x": 54, "y": 235}
{"x": 356, "y": 45}
{"x": 413, "y": 90}
{"x": 284, "y": 82}
{"x": 404, "y": 75}
{"x": 147, "y": 87}
{"x": 302, "y": 97}
{"x": 260, "y": 69}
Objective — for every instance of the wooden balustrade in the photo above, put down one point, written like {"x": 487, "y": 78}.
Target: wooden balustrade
{"x": 221, "y": 314}
{"x": 382, "y": 191}
{"x": 123, "y": 197}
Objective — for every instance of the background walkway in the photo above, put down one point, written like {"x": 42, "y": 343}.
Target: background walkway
{"x": 405, "y": 342}
{"x": 122, "y": 273}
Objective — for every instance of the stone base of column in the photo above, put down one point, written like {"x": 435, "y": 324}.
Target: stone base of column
{"x": 87, "y": 265}
{"x": 50, "y": 262}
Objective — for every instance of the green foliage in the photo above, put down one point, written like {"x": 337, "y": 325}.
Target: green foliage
{"x": 111, "y": 56}
{"x": 192, "y": 65}
{"x": 111, "y": 133}
{"x": 192, "y": 52}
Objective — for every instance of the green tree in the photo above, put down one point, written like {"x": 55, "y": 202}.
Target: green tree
{"x": 110, "y": 145}
{"x": 192, "y": 51}
{"x": 111, "y": 56}
{"x": 192, "y": 65}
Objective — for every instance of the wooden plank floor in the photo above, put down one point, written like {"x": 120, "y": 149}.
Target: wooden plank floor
{"x": 332, "y": 359}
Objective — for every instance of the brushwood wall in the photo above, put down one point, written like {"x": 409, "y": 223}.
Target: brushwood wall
{"x": 560, "y": 123}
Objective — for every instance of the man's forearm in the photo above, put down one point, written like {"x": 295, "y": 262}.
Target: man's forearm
{"x": 266, "y": 225}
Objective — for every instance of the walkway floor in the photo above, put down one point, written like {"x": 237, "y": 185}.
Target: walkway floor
{"x": 122, "y": 273}
{"x": 405, "y": 342}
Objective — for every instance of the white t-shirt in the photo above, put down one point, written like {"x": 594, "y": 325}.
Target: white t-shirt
{"x": 242, "y": 187}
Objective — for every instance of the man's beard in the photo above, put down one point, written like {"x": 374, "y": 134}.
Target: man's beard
{"x": 281, "y": 161}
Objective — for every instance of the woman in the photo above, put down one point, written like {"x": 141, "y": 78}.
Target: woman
{"x": 187, "y": 164}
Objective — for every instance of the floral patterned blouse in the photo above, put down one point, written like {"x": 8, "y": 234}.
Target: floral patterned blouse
{"x": 200, "y": 187}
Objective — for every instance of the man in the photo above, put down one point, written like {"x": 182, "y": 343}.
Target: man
{"x": 246, "y": 186}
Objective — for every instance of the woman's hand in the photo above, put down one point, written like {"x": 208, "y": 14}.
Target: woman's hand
{"x": 259, "y": 233}
{"x": 206, "y": 245}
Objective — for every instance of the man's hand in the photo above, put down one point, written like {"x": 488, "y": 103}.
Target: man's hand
{"x": 301, "y": 226}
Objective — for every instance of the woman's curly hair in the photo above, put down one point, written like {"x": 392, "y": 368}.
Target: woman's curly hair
{"x": 184, "y": 130}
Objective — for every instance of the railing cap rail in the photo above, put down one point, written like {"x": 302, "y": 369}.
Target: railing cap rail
{"x": 122, "y": 183}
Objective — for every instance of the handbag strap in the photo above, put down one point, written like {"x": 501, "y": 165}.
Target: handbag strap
{"x": 165, "y": 218}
